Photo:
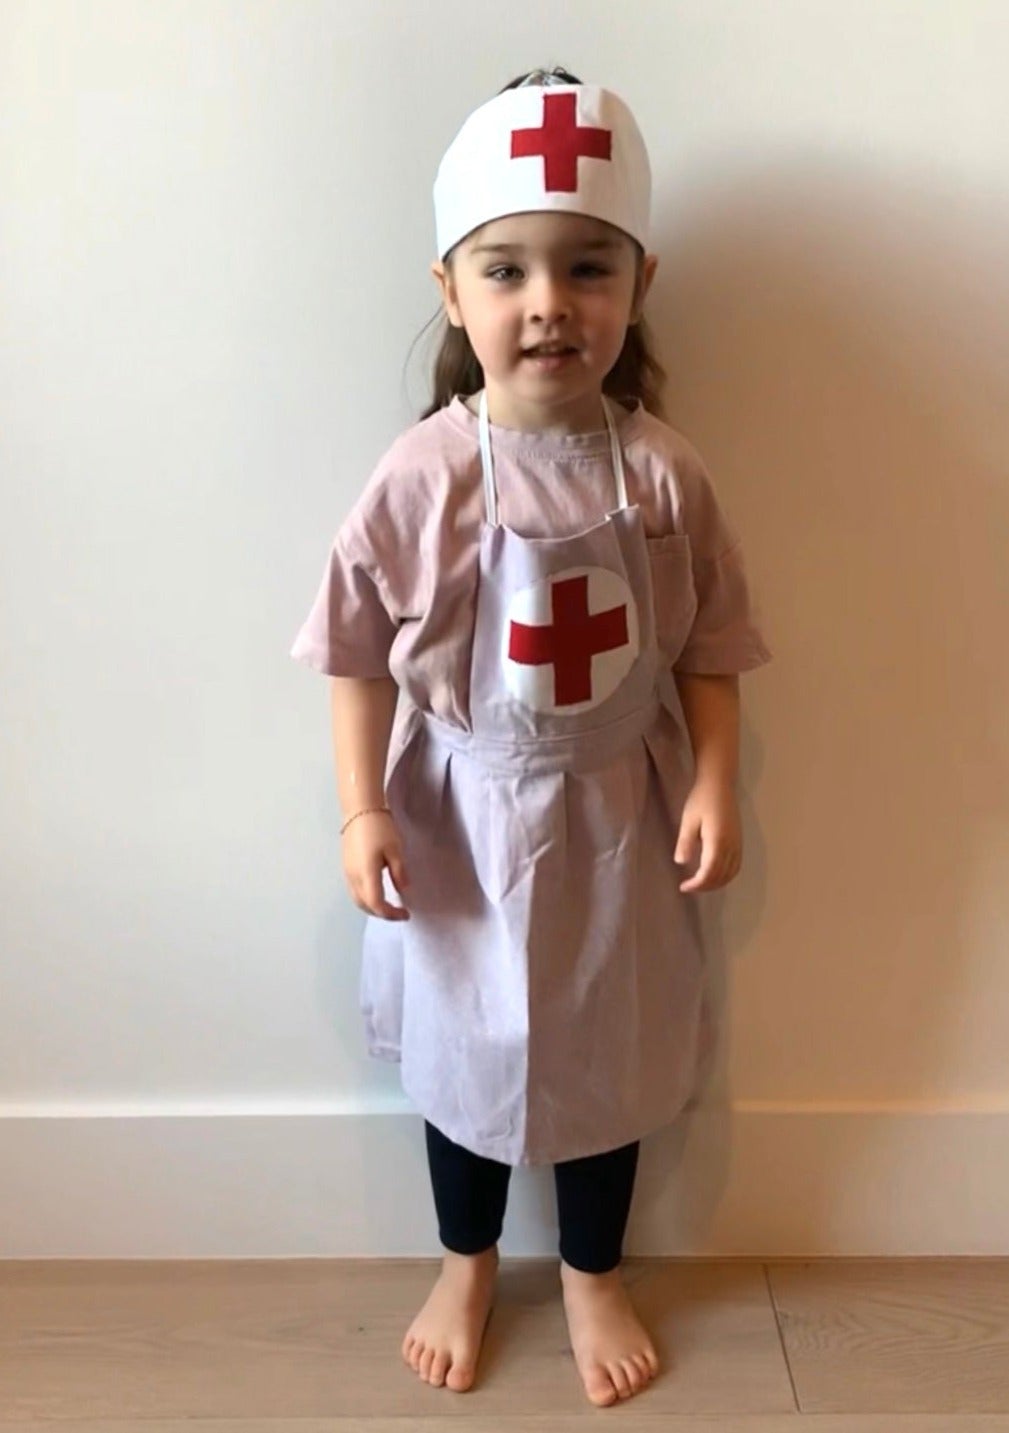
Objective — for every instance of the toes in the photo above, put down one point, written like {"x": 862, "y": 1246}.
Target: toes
{"x": 642, "y": 1365}
{"x": 619, "y": 1378}
{"x": 599, "y": 1386}
{"x": 649, "y": 1362}
{"x": 436, "y": 1367}
{"x": 460, "y": 1377}
{"x": 635, "y": 1377}
{"x": 439, "y": 1367}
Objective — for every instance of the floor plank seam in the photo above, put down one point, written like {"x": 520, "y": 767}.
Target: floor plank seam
{"x": 781, "y": 1336}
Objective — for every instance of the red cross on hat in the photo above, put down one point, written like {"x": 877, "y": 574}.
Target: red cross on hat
{"x": 562, "y": 142}
{"x": 588, "y": 157}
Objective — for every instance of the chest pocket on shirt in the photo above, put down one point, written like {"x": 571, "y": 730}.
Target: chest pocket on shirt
{"x": 673, "y": 594}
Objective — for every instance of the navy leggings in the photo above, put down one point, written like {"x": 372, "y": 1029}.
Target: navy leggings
{"x": 593, "y": 1201}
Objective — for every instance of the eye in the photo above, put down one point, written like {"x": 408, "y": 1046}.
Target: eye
{"x": 586, "y": 269}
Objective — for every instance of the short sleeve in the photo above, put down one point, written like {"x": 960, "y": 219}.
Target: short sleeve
{"x": 349, "y": 631}
{"x": 726, "y": 634}
{"x": 376, "y": 578}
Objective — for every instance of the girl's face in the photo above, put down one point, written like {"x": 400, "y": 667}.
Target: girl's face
{"x": 526, "y": 280}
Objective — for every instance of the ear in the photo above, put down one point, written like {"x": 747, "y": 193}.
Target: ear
{"x": 648, "y": 267}
{"x": 446, "y": 288}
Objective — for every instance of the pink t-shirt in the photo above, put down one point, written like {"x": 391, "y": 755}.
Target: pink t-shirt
{"x": 398, "y": 593}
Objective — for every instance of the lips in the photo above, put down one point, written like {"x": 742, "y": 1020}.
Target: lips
{"x": 548, "y": 351}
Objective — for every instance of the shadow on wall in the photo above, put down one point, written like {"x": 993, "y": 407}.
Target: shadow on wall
{"x": 838, "y": 349}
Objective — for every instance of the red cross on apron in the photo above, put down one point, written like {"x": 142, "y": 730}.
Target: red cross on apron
{"x": 571, "y": 640}
{"x": 561, "y": 142}
{"x": 568, "y": 631}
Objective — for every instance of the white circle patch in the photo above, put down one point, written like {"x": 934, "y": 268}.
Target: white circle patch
{"x": 570, "y": 639}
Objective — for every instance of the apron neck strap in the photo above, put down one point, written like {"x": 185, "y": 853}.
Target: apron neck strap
{"x": 490, "y": 490}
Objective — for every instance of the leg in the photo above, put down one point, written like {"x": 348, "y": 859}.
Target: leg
{"x": 614, "y": 1354}
{"x": 470, "y": 1194}
{"x": 593, "y": 1202}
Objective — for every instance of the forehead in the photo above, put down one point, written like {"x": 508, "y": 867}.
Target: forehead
{"x": 545, "y": 231}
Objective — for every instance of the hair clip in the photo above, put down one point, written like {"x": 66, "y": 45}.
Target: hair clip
{"x": 544, "y": 77}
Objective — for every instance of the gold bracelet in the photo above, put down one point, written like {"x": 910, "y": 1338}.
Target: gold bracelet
{"x": 365, "y": 811}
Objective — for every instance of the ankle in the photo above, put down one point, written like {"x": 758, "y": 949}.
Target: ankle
{"x": 581, "y": 1277}
{"x": 453, "y": 1260}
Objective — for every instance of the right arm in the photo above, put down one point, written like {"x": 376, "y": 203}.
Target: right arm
{"x": 363, "y": 709}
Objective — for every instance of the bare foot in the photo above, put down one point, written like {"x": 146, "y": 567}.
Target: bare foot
{"x": 443, "y": 1342}
{"x": 614, "y": 1354}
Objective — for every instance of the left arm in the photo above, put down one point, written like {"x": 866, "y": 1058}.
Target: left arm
{"x": 724, "y": 640}
{"x": 711, "y": 707}
{"x": 711, "y": 812}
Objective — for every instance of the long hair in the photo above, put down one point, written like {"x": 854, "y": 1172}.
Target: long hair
{"x": 637, "y": 372}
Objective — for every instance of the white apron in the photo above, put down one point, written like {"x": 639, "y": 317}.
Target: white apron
{"x": 545, "y": 998}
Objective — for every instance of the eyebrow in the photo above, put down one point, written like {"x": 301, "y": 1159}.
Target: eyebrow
{"x": 511, "y": 248}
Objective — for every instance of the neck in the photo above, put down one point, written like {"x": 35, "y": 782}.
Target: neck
{"x": 561, "y": 418}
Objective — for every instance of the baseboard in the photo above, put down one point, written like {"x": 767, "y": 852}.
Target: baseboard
{"x": 300, "y": 1181}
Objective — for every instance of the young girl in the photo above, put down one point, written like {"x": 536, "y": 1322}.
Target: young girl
{"x": 541, "y": 570}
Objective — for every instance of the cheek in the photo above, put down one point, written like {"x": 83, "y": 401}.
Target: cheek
{"x": 488, "y": 327}
{"x": 496, "y": 321}
{"x": 607, "y": 322}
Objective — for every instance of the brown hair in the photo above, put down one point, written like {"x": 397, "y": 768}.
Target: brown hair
{"x": 637, "y": 372}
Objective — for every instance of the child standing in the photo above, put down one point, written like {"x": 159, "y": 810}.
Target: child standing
{"x": 540, "y": 571}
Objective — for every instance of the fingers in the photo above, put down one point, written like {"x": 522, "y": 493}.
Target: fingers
{"x": 717, "y": 869}
{"x": 368, "y": 889}
{"x": 688, "y": 846}
{"x": 688, "y": 843}
{"x": 370, "y": 896}
{"x": 720, "y": 859}
{"x": 397, "y": 870}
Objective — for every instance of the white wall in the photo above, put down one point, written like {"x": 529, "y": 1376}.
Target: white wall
{"x": 215, "y": 231}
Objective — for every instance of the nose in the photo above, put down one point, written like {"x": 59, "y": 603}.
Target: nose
{"x": 550, "y": 302}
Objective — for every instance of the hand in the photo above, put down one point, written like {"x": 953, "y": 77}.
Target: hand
{"x": 711, "y": 819}
{"x": 370, "y": 843}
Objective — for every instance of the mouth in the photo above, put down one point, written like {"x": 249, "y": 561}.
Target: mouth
{"x": 549, "y": 355}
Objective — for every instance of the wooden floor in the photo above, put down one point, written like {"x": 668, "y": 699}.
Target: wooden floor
{"x": 836, "y": 1346}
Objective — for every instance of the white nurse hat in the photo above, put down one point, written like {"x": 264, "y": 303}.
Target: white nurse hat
{"x": 574, "y": 148}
